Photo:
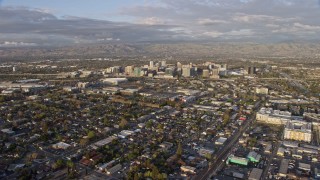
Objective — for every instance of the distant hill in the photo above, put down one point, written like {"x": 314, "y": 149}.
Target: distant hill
{"x": 176, "y": 49}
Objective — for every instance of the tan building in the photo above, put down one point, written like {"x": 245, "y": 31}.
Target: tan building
{"x": 205, "y": 73}
{"x": 298, "y": 130}
{"x": 270, "y": 116}
{"x": 262, "y": 90}
{"x": 128, "y": 70}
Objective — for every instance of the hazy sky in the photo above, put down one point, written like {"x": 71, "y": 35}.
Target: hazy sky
{"x": 51, "y": 22}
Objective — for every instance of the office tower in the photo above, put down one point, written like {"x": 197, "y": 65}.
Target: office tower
{"x": 137, "y": 71}
{"x": 186, "y": 71}
{"x": 205, "y": 73}
{"x": 179, "y": 65}
{"x": 128, "y": 70}
{"x": 163, "y": 63}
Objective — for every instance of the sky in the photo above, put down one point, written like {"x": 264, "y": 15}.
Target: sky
{"x": 61, "y": 22}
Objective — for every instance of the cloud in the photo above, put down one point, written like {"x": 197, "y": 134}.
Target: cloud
{"x": 41, "y": 27}
{"x": 213, "y": 34}
{"x": 306, "y": 27}
{"x": 169, "y": 20}
{"x": 152, "y": 21}
{"x": 16, "y": 44}
{"x": 208, "y": 21}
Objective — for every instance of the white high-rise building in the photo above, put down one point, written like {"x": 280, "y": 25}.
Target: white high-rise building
{"x": 151, "y": 64}
{"x": 179, "y": 65}
{"x": 163, "y": 63}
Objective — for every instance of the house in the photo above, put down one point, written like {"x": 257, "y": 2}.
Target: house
{"x": 8, "y": 131}
{"x": 220, "y": 141}
{"x": 165, "y": 146}
{"x": 61, "y": 145}
{"x": 188, "y": 169}
{"x": 204, "y": 152}
{"x": 114, "y": 169}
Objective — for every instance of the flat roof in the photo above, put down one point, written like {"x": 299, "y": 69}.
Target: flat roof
{"x": 284, "y": 167}
{"x": 255, "y": 174}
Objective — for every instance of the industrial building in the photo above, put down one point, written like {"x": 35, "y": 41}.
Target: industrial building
{"x": 237, "y": 160}
{"x": 254, "y": 157}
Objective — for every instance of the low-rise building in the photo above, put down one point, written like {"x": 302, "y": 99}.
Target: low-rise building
{"x": 254, "y": 157}
{"x": 304, "y": 166}
{"x": 237, "y": 160}
{"x": 255, "y": 174}
{"x": 188, "y": 169}
{"x": 283, "y": 171}
{"x": 270, "y": 116}
{"x": 281, "y": 151}
{"x": 262, "y": 90}
{"x": 204, "y": 152}
{"x": 61, "y": 145}
{"x": 114, "y": 169}
{"x": 221, "y": 141}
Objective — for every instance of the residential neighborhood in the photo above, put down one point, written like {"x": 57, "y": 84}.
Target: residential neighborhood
{"x": 157, "y": 121}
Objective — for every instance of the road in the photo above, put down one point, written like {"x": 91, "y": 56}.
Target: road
{"x": 270, "y": 159}
{"x": 223, "y": 153}
{"x": 28, "y": 74}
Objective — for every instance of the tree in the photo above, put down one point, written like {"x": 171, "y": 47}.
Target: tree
{"x": 71, "y": 168}
{"x": 149, "y": 124}
{"x": 44, "y": 126}
{"x": 91, "y": 134}
{"x": 83, "y": 141}
{"x": 106, "y": 121}
{"x": 2, "y": 99}
{"x": 160, "y": 126}
{"x": 155, "y": 172}
{"x": 226, "y": 117}
{"x": 179, "y": 150}
{"x": 123, "y": 123}
{"x": 58, "y": 164}
{"x": 136, "y": 176}
{"x": 208, "y": 156}
{"x": 70, "y": 164}
{"x": 65, "y": 125}
{"x": 25, "y": 174}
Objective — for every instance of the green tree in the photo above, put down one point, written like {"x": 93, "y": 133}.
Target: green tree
{"x": 83, "y": 141}
{"x": 179, "y": 150}
{"x": 123, "y": 123}
{"x": 44, "y": 126}
{"x": 59, "y": 163}
{"x": 136, "y": 176}
{"x": 106, "y": 121}
{"x": 70, "y": 164}
{"x": 155, "y": 172}
{"x": 149, "y": 124}
{"x": 71, "y": 168}
{"x": 91, "y": 134}
{"x": 226, "y": 117}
